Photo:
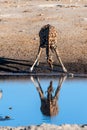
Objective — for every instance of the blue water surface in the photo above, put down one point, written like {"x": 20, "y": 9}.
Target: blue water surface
{"x": 21, "y": 102}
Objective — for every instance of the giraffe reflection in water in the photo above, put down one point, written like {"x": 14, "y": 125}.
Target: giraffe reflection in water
{"x": 49, "y": 106}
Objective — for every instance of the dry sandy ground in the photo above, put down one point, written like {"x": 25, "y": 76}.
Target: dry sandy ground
{"x": 20, "y": 22}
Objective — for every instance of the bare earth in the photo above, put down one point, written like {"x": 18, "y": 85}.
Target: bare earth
{"x": 20, "y": 22}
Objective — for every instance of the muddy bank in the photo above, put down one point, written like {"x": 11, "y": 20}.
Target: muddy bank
{"x": 8, "y": 65}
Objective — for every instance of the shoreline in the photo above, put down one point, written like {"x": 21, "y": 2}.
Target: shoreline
{"x": 26, "y": 74}
{"x": 47, "y": 127}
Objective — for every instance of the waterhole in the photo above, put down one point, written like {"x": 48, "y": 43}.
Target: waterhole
{"x": 21, "y": 100}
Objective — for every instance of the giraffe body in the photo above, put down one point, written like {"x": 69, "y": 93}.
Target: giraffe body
{"x": 48, "y": 36}
{"x": 48, "y": 40}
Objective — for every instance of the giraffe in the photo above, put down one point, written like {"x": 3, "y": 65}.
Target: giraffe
{"x": 49, "y": 106}
{"x": 48, "y": 40}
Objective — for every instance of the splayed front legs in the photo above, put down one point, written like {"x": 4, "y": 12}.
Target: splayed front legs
{"x": 49, "y": 59}
{"x": 35, "y": 62}
{"x": 60, "y": 61}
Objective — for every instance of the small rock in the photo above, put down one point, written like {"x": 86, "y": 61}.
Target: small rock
{"x": 0, "y": 20}
{"x": 7, "y": 117}
{"x": 40, "y": 14}
{"x": 10, "y": 108}
{"x": 35, "y": 38}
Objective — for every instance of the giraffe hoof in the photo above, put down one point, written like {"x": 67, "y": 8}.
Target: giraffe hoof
{"x": 69, "y": 74}
{"x": 31, "y": 69}
{"x": 65, "y": 71}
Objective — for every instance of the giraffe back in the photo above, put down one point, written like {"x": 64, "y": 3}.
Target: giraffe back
{"x": 52, "y": 36}
{"x": 48, "y": 36}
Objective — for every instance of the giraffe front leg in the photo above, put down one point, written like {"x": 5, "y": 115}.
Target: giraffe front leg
{"x": 60, "y": 61}
{"x": 36, "y": 61}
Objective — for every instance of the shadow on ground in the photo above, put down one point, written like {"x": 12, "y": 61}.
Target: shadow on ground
{"x": 14, "y": 65}
{"x": 23, "y": 66}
